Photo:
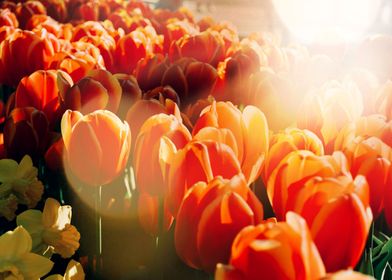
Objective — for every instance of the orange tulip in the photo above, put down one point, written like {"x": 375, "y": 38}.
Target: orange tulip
{"x": 175, "y": 29}
{"x": 54, "y": 156}
{"x": 149, "y": 157}
{"x": 8, "y": 18}
{"x": 40, "y": 90}
{"x": 388, "y": 199}
{"x": 25, "y": 132}
{"x": 295, "y": 169}
{"x": 189, "y": 46}
{"x": 292, "y": 139}
{"x": 131, "y": 93}
{"x": 252, "y": 147}
{"x": 271, "y": 250}
{"x": 143, "y": 109}
{"x": 371, "y": 158}
{"x": 334, "y": 208}
{"x": 97, "y": 145}
{"x": 198, "y": 161}
{"x": 56, "y": 9}
{"x": 222, "y": 207}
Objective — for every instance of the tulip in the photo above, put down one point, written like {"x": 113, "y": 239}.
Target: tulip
{"x": 143, "y": 109}
{"x": 333, "y": 209}
{"x": 16, "y": 61}
{"x": 368, "y": 126}
{"x": 188, "y": 46}
{"x": 388, "y": 199}
{"x": 198, "y": 161}
{"x": 371, "y": 158}
{"x": 292, "y": 139}
{"x": 295, "y": 169}
{"x": 56, "y": 9}
{"x": 149, "y": 156}
{"x": 24, "y": 11}
{"x": 54, "y": 156}
{"x": 8, "y": 18}
{"x": 252, "y": 148}
{"x": 25, "y": 132}
{"x": 97, "y": 145}
{"x": 327, "y": 111}
{"x": 222, "y": 206}
{"x": 130, "y": 49}
{"x": 99, "y": 90}
{"x": 17, "y": 260}
{"x": 271, "y": 250}
{"x": 40, "y": 90}
{"x": 131, "y": 93}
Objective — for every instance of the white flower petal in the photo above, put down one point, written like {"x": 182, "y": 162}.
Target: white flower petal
{"x": 64, "y": 217}
{"x": 25, "y": 166}
{"x": 74, "y": 271}
{"x": 55, "y": 277}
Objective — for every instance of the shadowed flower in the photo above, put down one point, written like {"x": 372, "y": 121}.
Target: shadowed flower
{"x": 18, "y": 182}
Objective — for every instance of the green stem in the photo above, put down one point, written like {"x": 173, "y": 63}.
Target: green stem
{"x": 158, "y": 240}
{"x": 98, "y": 232}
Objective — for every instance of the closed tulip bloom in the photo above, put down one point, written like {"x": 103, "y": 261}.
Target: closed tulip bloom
{"x": 198, "y": 161}
{"x": 388, "y": 199}
{"x": 292, "y": 139}
{"x": 149, "y": 152}
{"x": 334, "y": 208}
{"x": 40, "y": 90}
{"x": 25, "y": 132}
{"x": 252, "y": 147}
{"x": 366, "y": 126}
{"x": 97, "y": 145}
{"x": 333, "y": 106}
{"x": 223, "y": 207}
{"x": 98, "y": 90}
{"x": 270, "y": 250}
{"x": 295, "y": 169}
{"x": 371, "y": 158}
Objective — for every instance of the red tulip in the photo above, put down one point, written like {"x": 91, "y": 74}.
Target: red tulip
{"x": 222, "y": 207}
{"x": 40, "y": 90}
{"x": 8, "y": 18}
{"x": 25, "y": 132}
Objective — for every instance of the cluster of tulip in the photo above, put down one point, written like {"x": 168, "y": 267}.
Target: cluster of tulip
{"x": 262, "y": 161}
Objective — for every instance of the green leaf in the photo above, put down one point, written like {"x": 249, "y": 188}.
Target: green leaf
{"x": 387, "y": 273}
{"x": 366, "y": 266}
{"x": 382, "y": 258}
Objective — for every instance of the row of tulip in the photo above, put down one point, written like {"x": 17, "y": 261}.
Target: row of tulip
{"x": 205, "y": 120}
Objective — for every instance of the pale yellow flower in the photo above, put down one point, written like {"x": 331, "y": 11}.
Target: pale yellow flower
{"x": 18, "y": 181}
{"x": 74, "y": 271}
{"x": 16, "y": 260}
{"x": 51, "y": 230}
